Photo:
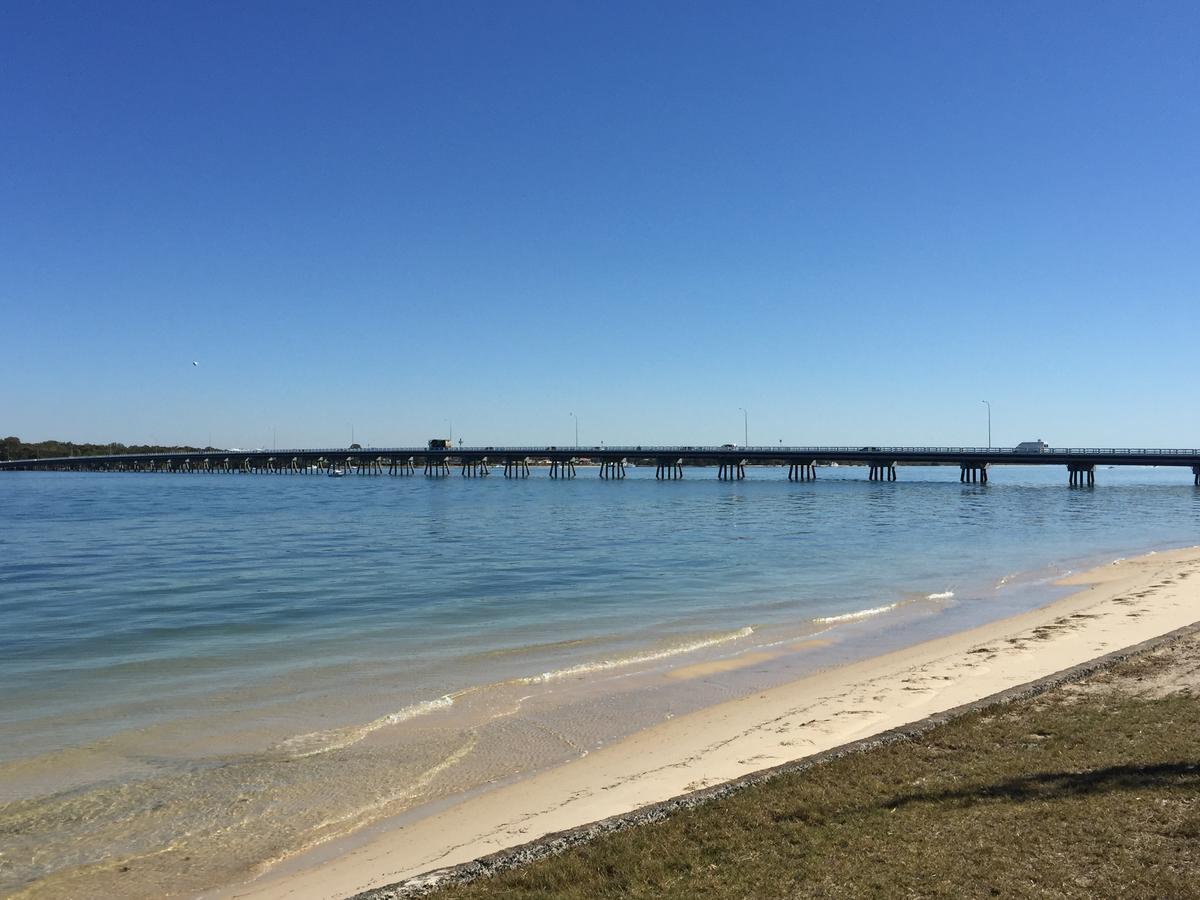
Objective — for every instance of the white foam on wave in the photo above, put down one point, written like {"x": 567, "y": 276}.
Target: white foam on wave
{"x": 854, "y": 616}
{"x": 603, "y": 665}
{"x": 324, "y": 741}
{"x": 879, "y": 610}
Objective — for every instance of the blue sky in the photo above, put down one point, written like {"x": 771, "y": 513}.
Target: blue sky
{"x": 856, "y": 220}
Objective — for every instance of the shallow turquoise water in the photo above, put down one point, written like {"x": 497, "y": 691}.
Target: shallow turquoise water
{"x": 158, "y": 624}
{"x": 205, "y": 584}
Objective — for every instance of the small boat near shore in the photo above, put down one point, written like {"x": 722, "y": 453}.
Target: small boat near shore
{"x": 336, "y": 473}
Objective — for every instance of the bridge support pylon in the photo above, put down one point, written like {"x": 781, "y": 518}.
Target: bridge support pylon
{"x": 562, "y": 468}
{"x": 474, "y": 468}
{"x": 436, "y": 467}
{"x": 516, "y": 468}
{"x": 802, "y": 471}
{"x": 971, "y": 472}
{"x": 612, "y": 468}
{"x": 732, "y": 471}
{"x": 1081, "y": 474}
{"x": 669, "y": 470}
{"x": 1196, "y": 475}
{"x": 401, "y": 466}
{"x": 882, "y": 471}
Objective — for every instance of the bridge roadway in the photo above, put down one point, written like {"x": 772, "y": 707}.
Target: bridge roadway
{"x": 669, "y": 462}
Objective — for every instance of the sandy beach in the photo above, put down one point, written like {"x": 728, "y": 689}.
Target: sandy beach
{"x": 1118, "y": 605}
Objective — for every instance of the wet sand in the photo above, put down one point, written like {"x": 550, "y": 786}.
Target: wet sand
{"x": 702, "y": 670}
{"x": 1119, "y": 605}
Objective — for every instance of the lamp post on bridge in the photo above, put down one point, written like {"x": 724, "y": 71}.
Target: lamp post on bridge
{"x": 576, "y": 418}
{"x": 989, "y": 408}
{"x": 745, "y": 427}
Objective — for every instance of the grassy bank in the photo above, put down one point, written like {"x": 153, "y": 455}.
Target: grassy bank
{"x": 1091, "y": 789}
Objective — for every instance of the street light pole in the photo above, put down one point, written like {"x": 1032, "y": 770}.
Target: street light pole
{"x": 576, "y": 418}
{"x": 989, "y": 407}
{"x": 745, "y": 427}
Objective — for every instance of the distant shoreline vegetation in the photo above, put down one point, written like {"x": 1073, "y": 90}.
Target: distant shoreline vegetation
{"x": 15, "y": 448}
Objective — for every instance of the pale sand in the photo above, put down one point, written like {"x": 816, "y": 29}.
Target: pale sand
{"x": 1122, "y": 604}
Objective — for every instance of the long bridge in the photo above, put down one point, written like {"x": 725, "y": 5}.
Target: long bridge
{"x": 669, "y": 462}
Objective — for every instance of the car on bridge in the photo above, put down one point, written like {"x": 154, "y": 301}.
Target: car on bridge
{"x": 1038, "y": 446}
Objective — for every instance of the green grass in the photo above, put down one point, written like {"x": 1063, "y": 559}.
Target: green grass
{"x": 1070, "y": 794}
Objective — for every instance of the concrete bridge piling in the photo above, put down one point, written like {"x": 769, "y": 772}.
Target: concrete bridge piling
{"x": 668, "y": 470}
{"x": 612, "y": 468}
{"x": 1081, "y": 474}
{"x": 802, "y": 471}
{"x": 365, "y": 466}
{"x": 970, "y": 473}
{"x": 516, "y": 467}
{"x": 437, "y": 467}
{"x": 474, "y": 468}
{"x": 732, "y": 471}
{"x": 882, "y": 471}
{"x": 564, "y": 468}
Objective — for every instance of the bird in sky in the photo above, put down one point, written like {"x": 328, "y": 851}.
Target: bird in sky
{"x": 194, "y": 363}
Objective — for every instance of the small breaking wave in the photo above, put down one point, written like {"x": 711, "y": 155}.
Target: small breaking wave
{"x": 854, "y": 616}
{"x": 316, "y": 742}
{"x": 603, "y": 665}
{"x": 879, "y": 610}
{"x": 336, "y": 739}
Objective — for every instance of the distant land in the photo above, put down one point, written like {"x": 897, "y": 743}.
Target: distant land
{"x": 15, "y": 448}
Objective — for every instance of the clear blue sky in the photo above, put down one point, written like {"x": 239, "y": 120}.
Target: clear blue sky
{"x": 857, "y": 220}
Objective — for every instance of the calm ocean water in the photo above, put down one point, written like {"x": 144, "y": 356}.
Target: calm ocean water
{"x": 202, "y": 673}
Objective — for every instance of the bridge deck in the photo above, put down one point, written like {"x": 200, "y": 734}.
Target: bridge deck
{"x": 682, "y": 455}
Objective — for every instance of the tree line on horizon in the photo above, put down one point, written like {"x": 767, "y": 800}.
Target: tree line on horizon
{"x": 13, "y": 448}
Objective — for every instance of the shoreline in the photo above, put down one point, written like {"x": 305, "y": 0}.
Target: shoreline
{"x": 1120, "y": 605}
